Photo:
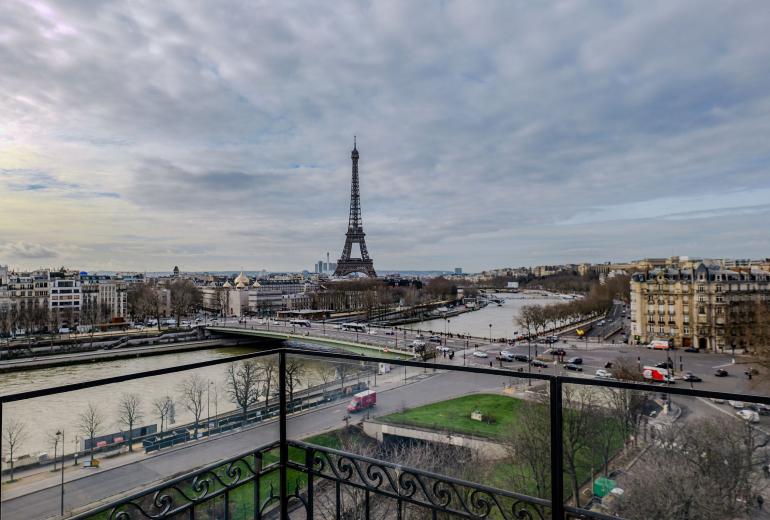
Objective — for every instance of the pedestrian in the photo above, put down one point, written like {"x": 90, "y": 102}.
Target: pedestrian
{"x": 766, "y": 470}
{"x": 760, "y": 501}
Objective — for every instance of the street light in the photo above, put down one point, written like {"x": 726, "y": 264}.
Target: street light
{"x": 490, "y": 333}
{"x": 58, "y": 433}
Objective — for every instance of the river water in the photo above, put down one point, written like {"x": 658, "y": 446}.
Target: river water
{"x": 502, "y": 318}
{"x": 44, "y": 416}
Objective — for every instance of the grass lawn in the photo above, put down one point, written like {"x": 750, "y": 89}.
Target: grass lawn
{"x": 454, "y": 415}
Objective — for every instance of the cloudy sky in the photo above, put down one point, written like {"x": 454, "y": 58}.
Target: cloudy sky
{"x": 216, "y": 135}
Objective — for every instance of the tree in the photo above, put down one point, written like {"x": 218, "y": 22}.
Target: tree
{"x": 14, "y": 435}
{"x": 129, "y": 414}
{"x": 719, "y": 457}
{"x": 243, "y": 382}
{"x": 579, "y": 412}
{"x": 90, "y": 423}
{"x": 528, "y": 450}
{"x": 268, "y": 374}
{"x": 192, "y": 389}
{"x": 295, "y": 371}
{"x": 326, "y": 373}
{"x": 165, "y": 410}
{"x": 185, "y": 297}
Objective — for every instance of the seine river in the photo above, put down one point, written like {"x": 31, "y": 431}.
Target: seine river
{"x": 501, "y": 318}
{"x": 44, "y": 416}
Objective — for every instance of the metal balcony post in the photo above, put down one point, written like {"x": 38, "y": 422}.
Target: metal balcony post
{"x": 283, "y": 448}
{"x": 557, "y": 455}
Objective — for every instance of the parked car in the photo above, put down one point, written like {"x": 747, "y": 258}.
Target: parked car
{"x": 721, "y": 372}
{"x": 557, "y": 352}
{"x": 692, "y": 349}
{"x": 603, "y": 374}
{"x": 761, "y": 409}
{"x": 417, "y": 344}
{"x": 479, "y": 353}
{"x": 736, "y": 404}
{"x": 523, "y": 358}
{"x": 692, "y": 378}
{"x": 748, "y": 415}
{"x": 390, "y": 333}
{"x": 573, "y": 366}
{"x": 539, "y": 364}
{"x": 505, "y": 355}
{"x": 443, "y": 348}
{"x": 717, "y": 400}
{"x": 434, "y": 339}
{"x": 665, "y": 364}
{"x": 575, "y": 361}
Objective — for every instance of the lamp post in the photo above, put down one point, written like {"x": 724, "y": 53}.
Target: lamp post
{"x": 61, "y": 503}
{"x": 208, "y": 406}
{"x": 490, "y": 333}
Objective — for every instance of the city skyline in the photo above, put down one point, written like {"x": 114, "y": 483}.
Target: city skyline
{"x": 494, "y": 135}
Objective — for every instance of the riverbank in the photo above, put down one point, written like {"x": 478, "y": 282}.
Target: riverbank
{"x": 60, "y": 360}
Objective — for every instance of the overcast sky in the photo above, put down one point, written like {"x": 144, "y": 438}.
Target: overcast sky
{"x": 217, "y": 134}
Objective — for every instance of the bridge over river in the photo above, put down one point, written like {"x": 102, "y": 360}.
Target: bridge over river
{"x": 374, "y": 344}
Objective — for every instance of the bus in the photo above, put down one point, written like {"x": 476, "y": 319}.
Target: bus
{"x": 300, "y": 323}
{"x": 354, "y": 327}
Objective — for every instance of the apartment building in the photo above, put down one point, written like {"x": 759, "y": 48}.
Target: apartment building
{"x": 706, "y": 306}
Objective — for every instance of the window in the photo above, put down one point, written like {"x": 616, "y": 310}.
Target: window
{"x": 701, "y": 309}
{"x": 660, "y": 329}
{"x": 686, "y": 329}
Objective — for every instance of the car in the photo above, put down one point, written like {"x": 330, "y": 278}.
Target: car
{"x": 557, "y": 352}
{"x": 373, "y": 332}
{"x": 602, "y": 322}
{"x": 539, "y": 364}
{"x": 717, "y": 400}
{"x": 551, "y": 339}
{"x": 603, "y": 374}
{"x": 505, "y": 356}
{"x": 573, "y": 366}
{"x": 748, "y": 415}
{"x": 736, "y": 404}
{"x": 575, "y": 361}
{"x": 692, "y": 378}
{"x": 721, "y": 372}
{"x": 444, "y": 349}
{"x": 390, "y": 333}
{"x": 420, "y": 336}
{"x": 665, "y": 364}
{"x": 761, "y": 409}
{"x": 523, "y": 358}
{"x": 479, "y": 353}
{"x": 692, "y": 349}
{"x": 338, "y": 327}
{"x": 434, "y": 339}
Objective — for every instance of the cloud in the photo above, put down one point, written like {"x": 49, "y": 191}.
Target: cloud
{"x": 490, "y": 134}
{"x": 26, "y": 251}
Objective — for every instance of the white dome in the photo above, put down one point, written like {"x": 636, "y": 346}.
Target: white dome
{"x": 256, "y": 284}
{"x": 227, "y": 285}
{"x": 240, "y": 285}
{"x": 242, "y": 278}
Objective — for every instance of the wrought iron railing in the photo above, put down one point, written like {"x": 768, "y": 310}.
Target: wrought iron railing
{"x": 287, "y": 478}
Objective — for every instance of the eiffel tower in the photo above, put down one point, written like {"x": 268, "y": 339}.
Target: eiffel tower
{"x": 355, "y": 234}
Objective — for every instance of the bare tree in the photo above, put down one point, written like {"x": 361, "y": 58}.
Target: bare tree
{"x": 185, "y": 297}
{"x": 268, "y": 369}
{"x": 704, "y": 469}
{"x": 90, "y": 423}
{"x": 326, "y": 373}
{"x": 528, "y": 450}
{"x": 129, "y": 414}
{"x": 165, "y": 410}
{"x": 243, "y": 382}
{"x": 579, "y": 412}
{"x": 14, "y": 435}
{"x": 192, "y": 389}
{"x": 295, "y": 371}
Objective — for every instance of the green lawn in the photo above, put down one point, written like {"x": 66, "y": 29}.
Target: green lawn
{"x": 454, "y": 415}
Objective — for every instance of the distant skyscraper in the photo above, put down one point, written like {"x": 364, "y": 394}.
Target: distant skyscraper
{"x": 458, "y": 270}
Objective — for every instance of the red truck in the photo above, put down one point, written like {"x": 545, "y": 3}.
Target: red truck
{"x": 362, "y": 401}
{"x": 660, "y": 375}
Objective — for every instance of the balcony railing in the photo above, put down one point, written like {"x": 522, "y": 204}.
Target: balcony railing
{"x": 290, "y": 478}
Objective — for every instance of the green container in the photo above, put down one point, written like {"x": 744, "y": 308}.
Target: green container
{"x": 602, "y": 486}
